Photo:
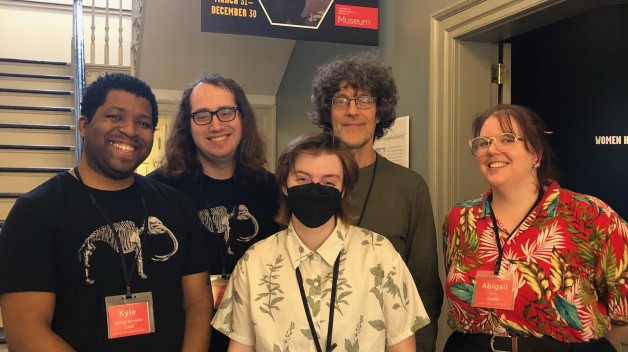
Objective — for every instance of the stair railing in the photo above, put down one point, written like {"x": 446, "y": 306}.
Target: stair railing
{"x": 78, "y": 61}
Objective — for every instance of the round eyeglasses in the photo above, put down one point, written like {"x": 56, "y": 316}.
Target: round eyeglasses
{"x": 363, "y": 102}
{"x": 504, "y": 142}
{"x": 204, "y": 117}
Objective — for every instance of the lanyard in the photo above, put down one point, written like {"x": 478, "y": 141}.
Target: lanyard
{"x": 334, "y": 286}
{"x": 500, "y": 249}
{"x": 125, "y": 271}
{"x": 222, "y": 245}
{"x": 368, "y": 193}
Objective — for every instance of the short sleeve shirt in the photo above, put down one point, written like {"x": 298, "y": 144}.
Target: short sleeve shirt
{"x": 569, "y": 258}
{"x": 377, "y": 303}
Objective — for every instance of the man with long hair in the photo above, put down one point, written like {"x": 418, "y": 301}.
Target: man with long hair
{"x": 215, "y": 154}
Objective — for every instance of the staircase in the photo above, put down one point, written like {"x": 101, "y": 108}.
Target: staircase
{"x": 37, "y": 132}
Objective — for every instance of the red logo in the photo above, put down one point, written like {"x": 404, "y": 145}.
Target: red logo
{"x": 356, "y": 16}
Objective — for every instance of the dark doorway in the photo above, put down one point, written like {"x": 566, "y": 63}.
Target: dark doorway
{"x": 574, "y": 73}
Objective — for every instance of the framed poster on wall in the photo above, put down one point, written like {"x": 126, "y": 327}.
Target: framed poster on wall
{"x": 339, "y": 21}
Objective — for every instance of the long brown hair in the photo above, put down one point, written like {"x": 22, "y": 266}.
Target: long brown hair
{"x": 180, "y": 159}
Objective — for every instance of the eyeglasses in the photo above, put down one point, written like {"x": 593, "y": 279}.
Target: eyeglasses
{"x": 504, "y": 142}
{"x": 205, "y": 117}
{"x": 363, "y": 102}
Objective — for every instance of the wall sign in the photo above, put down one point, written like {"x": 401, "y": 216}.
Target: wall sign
{"x": 339, "y": 21}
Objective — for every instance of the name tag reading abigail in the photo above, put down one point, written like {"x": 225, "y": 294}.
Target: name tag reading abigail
{"x": 494, "y": 291}
{"x": 130, "y": 316}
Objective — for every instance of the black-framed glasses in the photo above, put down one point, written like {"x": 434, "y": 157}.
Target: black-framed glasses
{"x": 204, "y": 117}
{"x": 363, "y": 102}
{"x": 504, "y": 142}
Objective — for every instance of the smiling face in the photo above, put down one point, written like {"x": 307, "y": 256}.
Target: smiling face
{"x": 514, "y": 168}
{"x": 218, "y": 141}
{"x": 120, "y": 135}
{"x": 353, "y": 125}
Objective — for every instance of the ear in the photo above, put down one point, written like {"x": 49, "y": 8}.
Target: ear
{"x": 284, "y": 190}
{"x": 82, "y": 125}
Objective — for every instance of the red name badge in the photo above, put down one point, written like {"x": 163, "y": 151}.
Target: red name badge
{"x": 130, "y": 316}
{"x": 219, "y": 286}
{"x": 494, "y": 291}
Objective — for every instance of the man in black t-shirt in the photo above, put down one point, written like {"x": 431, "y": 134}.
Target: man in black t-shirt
{"x": 216, "y": 155}
{"x": 99, "y": 258}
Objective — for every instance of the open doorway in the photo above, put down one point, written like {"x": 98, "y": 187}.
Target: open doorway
{"x": 464, "y": 41}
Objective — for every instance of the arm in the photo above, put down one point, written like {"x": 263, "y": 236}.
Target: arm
{"x": 422, "y": 261}
{"x": 235, "y": 346}
{"x": 198, "y": 307}
{"x": 27, "y": 317}
{"x": 617, "y": 335}
{"x": 407, "y": 345}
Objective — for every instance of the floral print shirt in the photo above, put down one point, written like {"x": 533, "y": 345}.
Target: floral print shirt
{"x": 377, "y": 303}
{"x": 569, "y": 258}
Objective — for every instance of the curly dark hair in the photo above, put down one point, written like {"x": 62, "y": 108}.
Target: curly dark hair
{"x": 533, "y": 129}
{"x": 96, "y": 94}
{"x": 316, "y": 144}
{"x": 364, "y": 70}
{"x": 180, "y": 159}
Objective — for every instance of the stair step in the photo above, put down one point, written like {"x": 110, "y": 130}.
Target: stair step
{"x": 26, "y": 75}
{"x": 35, "y": 67}
{"x": 35, "y": 91}
{"x": 23, "y": 97}
{"x": 16, "y": 136}
{"x": 35, "y": 62}
{"x": 36, "y": 108}
{"x": 22, "y": 182}
{"x": 9, "y": 116}
{"x": 54, "y": 170}
{"x": 37, "y": 127}
{"x": 10, "y": 195}
{"x": 35, "y": 158}
{"x": 35, "y": 147}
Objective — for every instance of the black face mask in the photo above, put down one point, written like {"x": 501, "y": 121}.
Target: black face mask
{"x": 313, "y": 204}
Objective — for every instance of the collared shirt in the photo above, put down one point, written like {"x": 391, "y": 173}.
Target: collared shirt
{"x": 570, "y": 262}
{"x": 377, "y": 303}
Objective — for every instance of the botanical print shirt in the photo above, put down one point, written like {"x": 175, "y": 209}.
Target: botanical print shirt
{"x": 569, "y": 258}
{"x": 377, "y": 302}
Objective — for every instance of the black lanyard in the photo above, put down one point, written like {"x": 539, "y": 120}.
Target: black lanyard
{"x": 368, "y": 193}
{"x": 125, "y": 271}
{"x": 334, "y": 286}
{"x": 222, "y": 245}
{"x": 500, "y": 249}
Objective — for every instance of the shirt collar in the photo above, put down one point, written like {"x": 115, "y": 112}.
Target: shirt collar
{"x": 328, "y": 251}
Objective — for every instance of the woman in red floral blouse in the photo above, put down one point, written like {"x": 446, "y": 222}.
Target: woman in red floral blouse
{"x": 532, "y": 266}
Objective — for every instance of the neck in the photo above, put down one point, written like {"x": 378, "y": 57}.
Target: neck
{"x": 96, "y": 180}
{"x": 218, "y": 170}
{"x": 364, "y": 156}
{"x": 313, "y": 238}
{"x": 512, "y": 207}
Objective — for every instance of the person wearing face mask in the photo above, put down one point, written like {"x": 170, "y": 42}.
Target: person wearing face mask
{"x": 320, "y": 283}
{"x": 532, "y": 266}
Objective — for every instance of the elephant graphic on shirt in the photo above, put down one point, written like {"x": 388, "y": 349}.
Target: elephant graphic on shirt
{"x": 130, "y": 242}
{"x": 217, "y": 220}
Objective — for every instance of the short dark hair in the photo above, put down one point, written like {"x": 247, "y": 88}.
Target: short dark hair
{"x": 533, "y": 129}
{"x": 180, "y": 158}
{"x": 96, "y": 94}
{"x": 316, "y": 144}
{"x": 364, "y": 70}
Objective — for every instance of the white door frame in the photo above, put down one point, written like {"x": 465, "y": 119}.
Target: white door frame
{"x": 448, "y": 28}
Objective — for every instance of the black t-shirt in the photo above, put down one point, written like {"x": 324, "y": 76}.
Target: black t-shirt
{"x": 235, "y": 217}
{"x": 55, "y": 240}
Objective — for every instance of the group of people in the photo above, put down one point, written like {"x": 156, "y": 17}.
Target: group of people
{"x": 335, "y": 251}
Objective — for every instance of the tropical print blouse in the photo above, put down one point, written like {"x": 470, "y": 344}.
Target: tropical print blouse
{"x": 377, "y": 302}
{"x": 569, "y": 258}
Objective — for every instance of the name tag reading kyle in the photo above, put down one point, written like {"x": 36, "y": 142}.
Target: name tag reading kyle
{"x": 494, "y": 291}
{"x": 130, "y": 316}
{"x": 219, "y": 286}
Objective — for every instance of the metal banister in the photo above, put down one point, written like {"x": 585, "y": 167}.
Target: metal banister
{"x": 78, "y": 59}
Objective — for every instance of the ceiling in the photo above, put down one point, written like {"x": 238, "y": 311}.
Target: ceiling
{"x": 174, "y": 51}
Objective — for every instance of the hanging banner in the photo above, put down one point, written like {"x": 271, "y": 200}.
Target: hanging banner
{"x": 338, "y": 21}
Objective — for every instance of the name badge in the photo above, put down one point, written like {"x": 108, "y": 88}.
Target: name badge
{"x": 219, "y": 286}
{"x": 494, "y": 291}
{"x": 130, "y": 316}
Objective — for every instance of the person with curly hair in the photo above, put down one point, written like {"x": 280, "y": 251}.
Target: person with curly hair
{"x": 216, "y": 155}
{"x": 355, "y": 98}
